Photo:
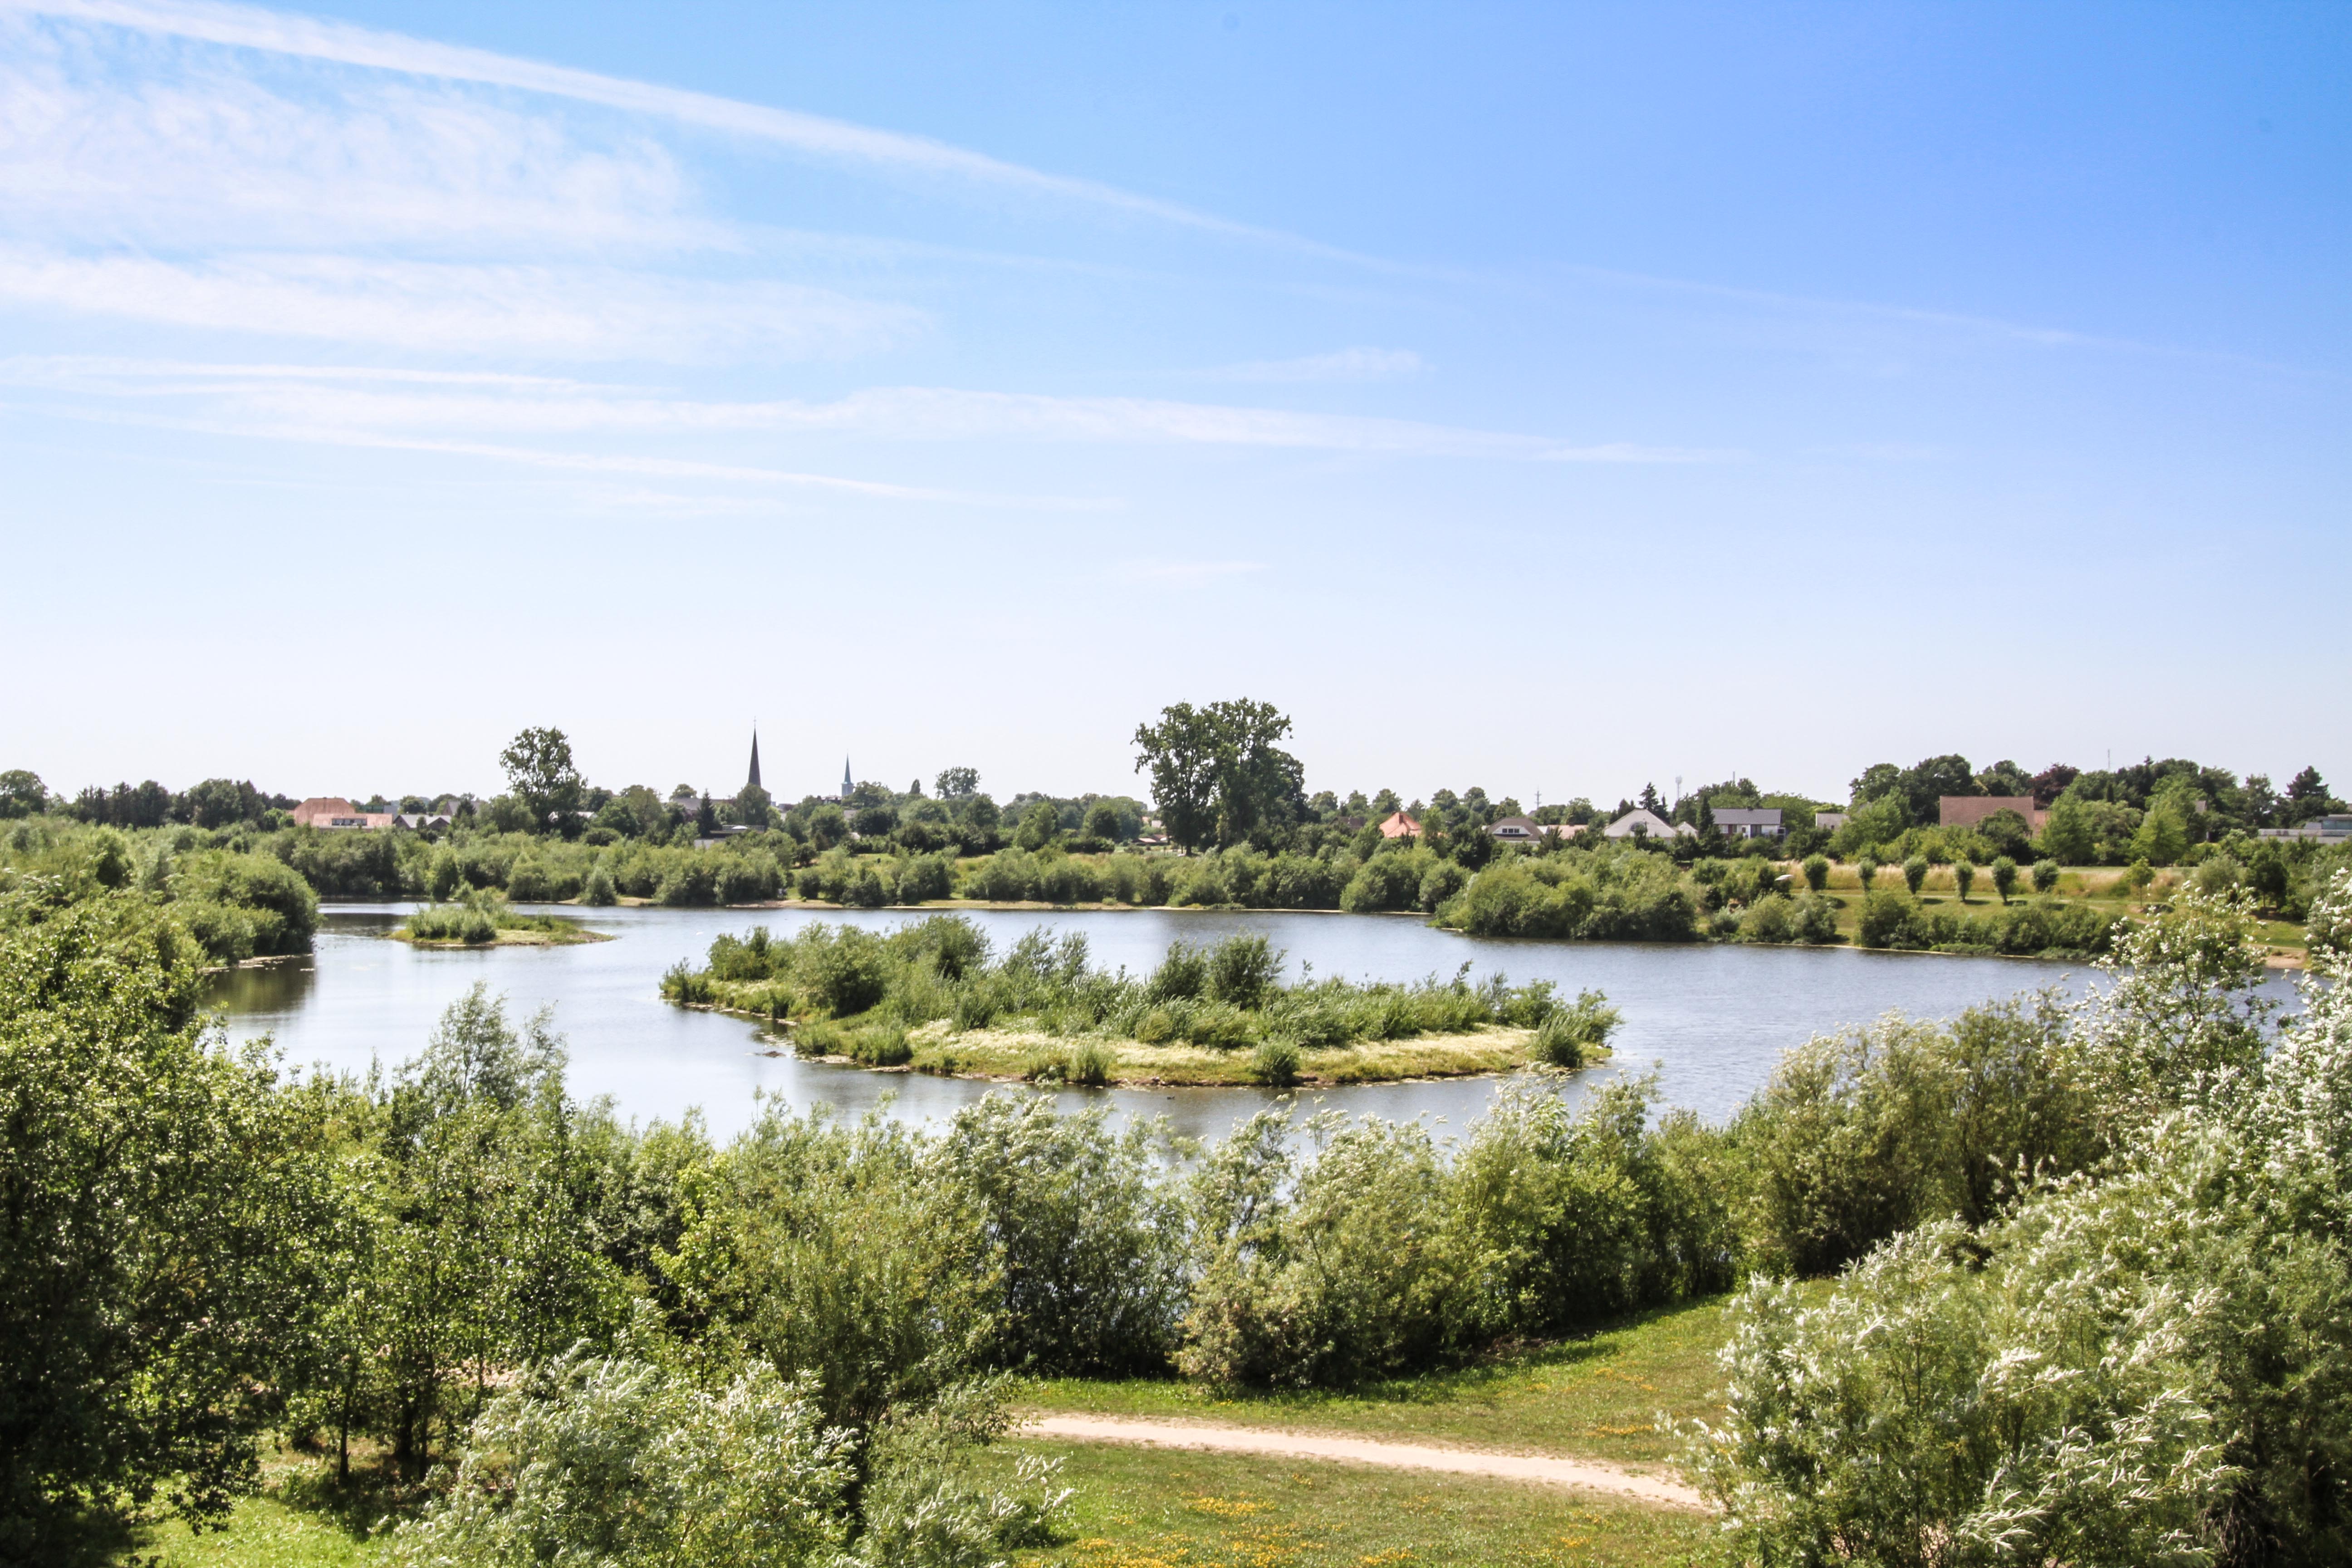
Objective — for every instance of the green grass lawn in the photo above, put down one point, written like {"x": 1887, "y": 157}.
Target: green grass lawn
{"x": 1156, "y": 1508}
{"x": 266, "y": 1532}
{"x": 1160, "y": 1508}
{"x": 1597, "y": 1396}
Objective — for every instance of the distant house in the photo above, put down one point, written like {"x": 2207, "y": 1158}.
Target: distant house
{"x": 1649, "y": 823}
{"x": 1970, "y": 810}
{"x": 1749, "y": 822}
{"x": 1563, "y": 829}
{"x": 1400, "y": 826}
{"x": 418, "y": 821}
{"x": 1516, "y": 829}
{"x": 2332, "y": 829}
{"x": 1829, "y": 821}
{"x": 329, "y": 812}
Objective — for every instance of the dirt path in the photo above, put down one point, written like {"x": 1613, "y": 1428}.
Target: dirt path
{"x": 1591, "y": 1475}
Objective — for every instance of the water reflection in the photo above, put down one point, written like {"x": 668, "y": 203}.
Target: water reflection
{"x": 1712, "y": 1019}
{"x": 278, "y": 988}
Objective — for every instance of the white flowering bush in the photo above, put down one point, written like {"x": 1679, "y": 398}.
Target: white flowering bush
{"x": 612, "y": 1460}
{"x": 2148, "y": 1361}
{"x": 623, "y": 1463}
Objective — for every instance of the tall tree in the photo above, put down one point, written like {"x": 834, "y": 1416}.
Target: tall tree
{"x": 1217, "y": 775}
{"x": 541, "y": 774}
{"x": 1182, "y": 753}
{"x": 22, "y": 793}
{"x": 2308, "y": 796}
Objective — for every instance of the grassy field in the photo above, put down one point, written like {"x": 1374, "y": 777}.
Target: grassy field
{"x": 1012, "y": 1054}
{"x": 1599, "y": 1397}
{"x": 1140, "y": 1506}
{"x": 1153, "y": 1508}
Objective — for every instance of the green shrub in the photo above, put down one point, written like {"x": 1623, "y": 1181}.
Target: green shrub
{"x": 687, "y": 986}
{"x": 1275, "y": 1063}
{"x": 1772, "y": 920}
{"x": 926, "y": 877}
{"x": 847, "y": 974}
{"x": 1091, "y": 1063}
{"x": 1817, "y": 872}
{"x": 1242, "y": 969}
{"x": 1220, "y": 1025}
{"x": 598, "y": 890}
{"x": 1886, "y": 916}
{"x": 470, "y": 923}
{"x": 1183, "y": 974}
{"x": 1570, "y": 1034}
{"x": 1344, "y": 1270}
{"x": 1914, "y": 874}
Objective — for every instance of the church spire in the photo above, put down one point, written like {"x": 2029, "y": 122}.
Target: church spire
{"x": 847, "y": 789}
{"x": 753, "y": 781}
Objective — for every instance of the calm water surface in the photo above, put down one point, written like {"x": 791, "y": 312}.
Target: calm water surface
{"x": 1713, "y": 1019}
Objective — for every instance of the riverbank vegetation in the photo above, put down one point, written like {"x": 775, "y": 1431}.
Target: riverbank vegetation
{"x": 235, "y": 904}
{"x": 933, "y": 995}
{"x": 487, "y": 920}
{"x": 2086, "y": 1280}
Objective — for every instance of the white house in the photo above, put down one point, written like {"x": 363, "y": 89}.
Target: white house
{"x": 1650, "y": 823}
{"x": 1749, "y": 822}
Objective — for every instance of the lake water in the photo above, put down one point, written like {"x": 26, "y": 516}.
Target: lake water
{"x": 1713, "y": 1019}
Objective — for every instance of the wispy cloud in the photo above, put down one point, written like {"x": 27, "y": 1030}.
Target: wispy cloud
{"x": 814, "y": 136}
{"x": 360, "y": 399}
{"x": 1348, "y": 365}
{"x": 1938, "y": 321}
{"x": 555, "y": 310}
{"x": 597, "y": 463}
{"x": 175, "y": 153}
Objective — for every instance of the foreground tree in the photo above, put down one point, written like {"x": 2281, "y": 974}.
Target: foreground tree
{"x": 2150, "y": 1362}
{"x": 157, "y": 1205}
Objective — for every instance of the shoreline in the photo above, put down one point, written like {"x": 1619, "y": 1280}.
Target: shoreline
{"x": 522, "y": 937}
{"x": 1031, "y": 1056}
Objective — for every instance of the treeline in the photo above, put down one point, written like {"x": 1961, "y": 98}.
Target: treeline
{"x": 2162, "y": 813}
{"x": 2102, "y": 1242}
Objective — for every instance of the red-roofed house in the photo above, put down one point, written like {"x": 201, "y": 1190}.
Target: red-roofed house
{"x": 1400, "y": 826}
{"x": 328, "y": 811}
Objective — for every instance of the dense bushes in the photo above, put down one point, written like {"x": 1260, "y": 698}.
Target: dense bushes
{"x": 1882, "y": 1129}
{"x": 1380, "y": 1255}
{"x": 236, "y": 904}
{"x": 1593, "y": 896}
{"x": 2049, "y": 926}
{"x": 1225, "y": 996}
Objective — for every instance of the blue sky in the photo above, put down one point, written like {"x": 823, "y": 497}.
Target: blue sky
{"x": 1542, "y": 397}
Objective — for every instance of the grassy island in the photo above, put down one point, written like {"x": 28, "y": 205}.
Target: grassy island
{"x": 932, "y": 997}
{"x": 489, "y": 920}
